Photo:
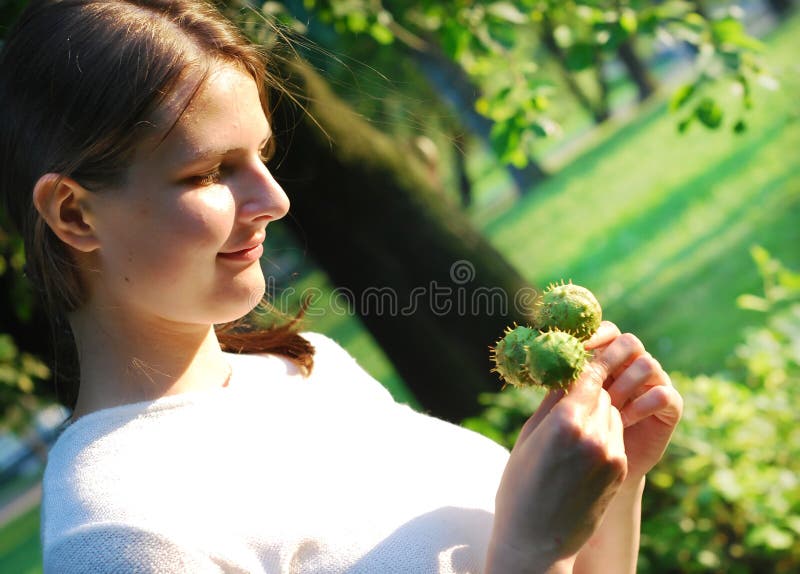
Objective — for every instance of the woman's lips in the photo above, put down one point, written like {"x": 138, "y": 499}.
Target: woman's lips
{"x": 249, "y": 254}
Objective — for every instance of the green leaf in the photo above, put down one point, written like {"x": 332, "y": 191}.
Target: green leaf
{"x": 507, "y": 11}
{"x": 8, "y": 350}
{"x": 455, "y": 39}
{"x": 540, "y": 103}
{"x": 681, "y": 96}
{"x": 695, "y": 21}
{"x": 580, "y": 56}
{"x": 770, "y": 536}
{"x": 25, "y": 383}
{"x": 356, "y": 22}
{"x": 727, "y": 483}
{"x": 752, "y": 302}
{"x": 671, "y": 10}
{"x": 518, "y": 158}
{"x": 563, "y": 36}
{"x": 731, "y": 32}
{"x": 381, "y": 33}
{"x": 545, "y": 127}
{"x": 34, "y": 366}
{"x": 763, "y": 260}
{"x": 628, "y": 21}
{"x": 709, "y": 113}
{"x": 793, "y": 522}
{"x": 740, "y": 127}
{"x": 8, "y": 374}
{"x": 273, "y": 8}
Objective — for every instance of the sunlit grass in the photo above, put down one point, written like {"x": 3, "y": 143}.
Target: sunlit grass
{"x": 660, "y": 224}
{"x": 20, "y": 550}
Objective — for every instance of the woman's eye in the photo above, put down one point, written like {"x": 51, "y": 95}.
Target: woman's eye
{"x": 208, "y": 179}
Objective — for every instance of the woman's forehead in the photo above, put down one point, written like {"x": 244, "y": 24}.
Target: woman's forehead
{"x": 207, "y": 112}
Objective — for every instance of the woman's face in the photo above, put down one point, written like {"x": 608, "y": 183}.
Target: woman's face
{"x": 181, "y": 238}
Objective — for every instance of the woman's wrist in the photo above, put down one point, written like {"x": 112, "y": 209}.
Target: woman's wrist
{"x": 632, "y": 487}
{"x": 503, "y": 558}
{"x": 614, "y": 547}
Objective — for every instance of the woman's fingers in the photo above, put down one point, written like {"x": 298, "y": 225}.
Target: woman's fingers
{"x": 606, "y": 332}
{"x": 662, "y": 401}
{"x": 623, "y": 350}
{"x": 634, "y": 379}
{"x": 618, "y": 353}
{"x": 616, "y": 432}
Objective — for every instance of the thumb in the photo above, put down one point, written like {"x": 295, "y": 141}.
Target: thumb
{"x": 541, "y": 412}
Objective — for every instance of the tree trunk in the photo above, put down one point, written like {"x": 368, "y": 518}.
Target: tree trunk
{"x": 426, "y": 284}
{"x": 780, "y": 7}
{"x": 598, "y": 112}
{"x": 637, "y": 70}
{"x": 460, "y": 161}
{"x": 602, "y": 107}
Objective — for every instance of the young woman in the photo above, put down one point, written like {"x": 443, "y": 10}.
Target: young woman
{"x": 131, "y": 139}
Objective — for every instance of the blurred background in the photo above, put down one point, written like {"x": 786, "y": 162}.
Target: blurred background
{"x": 447, "y": 161}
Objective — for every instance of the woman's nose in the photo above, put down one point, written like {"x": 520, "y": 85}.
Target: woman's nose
{"x": 264, "y": 198}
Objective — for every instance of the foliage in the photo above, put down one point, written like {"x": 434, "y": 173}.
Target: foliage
{"x": 19, "y": 370}
{"x": 726, "y": 496}
{"x": 725, "y": 50}
{"x": 491, "y": 40}
{"x": 18, "y": 373}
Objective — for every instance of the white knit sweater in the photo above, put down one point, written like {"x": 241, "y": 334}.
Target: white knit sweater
{"x": 275, "y": 473}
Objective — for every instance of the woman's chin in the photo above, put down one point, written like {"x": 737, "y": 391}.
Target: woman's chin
{"x": 239, "y": 301}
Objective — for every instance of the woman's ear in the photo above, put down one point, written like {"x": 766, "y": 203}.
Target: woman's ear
{"x": 61, "y": 201}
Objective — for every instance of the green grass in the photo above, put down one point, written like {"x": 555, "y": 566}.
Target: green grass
{"x": 20, "y": 549}
{"x": 660, "y": 224}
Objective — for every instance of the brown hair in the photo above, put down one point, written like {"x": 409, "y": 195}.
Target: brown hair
{"x": 78, "y": 79}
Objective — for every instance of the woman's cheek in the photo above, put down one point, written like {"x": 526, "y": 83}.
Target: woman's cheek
{"x": 217, "y": 208}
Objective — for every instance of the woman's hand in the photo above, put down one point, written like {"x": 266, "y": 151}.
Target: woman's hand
{"x": 650, "y": 408}
{"x": 566, "y": 466}
{"x": 649, "y": 405}
{"x": 574, "y": 454}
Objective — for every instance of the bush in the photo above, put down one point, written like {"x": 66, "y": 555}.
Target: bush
{"x": 726, "y": 496}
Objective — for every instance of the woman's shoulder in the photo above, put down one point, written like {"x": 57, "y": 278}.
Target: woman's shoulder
{"x": 335, "y": 366}
{"x": 334, "y": 369}
{"x": 327, "y": 352}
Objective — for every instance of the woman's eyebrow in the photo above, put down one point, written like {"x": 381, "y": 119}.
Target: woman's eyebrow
{"x": 200, "y": 154}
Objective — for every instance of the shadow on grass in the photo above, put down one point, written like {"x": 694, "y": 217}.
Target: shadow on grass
{"x": 658, "y": 219}
{"x": 699, "y": 305}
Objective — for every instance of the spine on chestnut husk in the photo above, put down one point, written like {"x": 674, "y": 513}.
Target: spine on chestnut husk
{"x": 568, "y": 307}
{"x": 510, "y": 355}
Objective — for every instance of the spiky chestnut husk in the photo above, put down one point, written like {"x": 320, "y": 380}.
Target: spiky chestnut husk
{"x": 510, "y": 356}
{"x": 569, "y": 308}
{"x": 555, "y": 359}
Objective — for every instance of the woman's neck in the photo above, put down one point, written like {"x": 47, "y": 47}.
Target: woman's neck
{"x": 126, "y": 360}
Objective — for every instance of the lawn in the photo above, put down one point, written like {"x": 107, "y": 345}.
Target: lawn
{"x": 20, "y": 550}
{"x": 660, "y": 224}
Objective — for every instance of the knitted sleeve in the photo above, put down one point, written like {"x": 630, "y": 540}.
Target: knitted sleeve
{"x": 107, "y": 548}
